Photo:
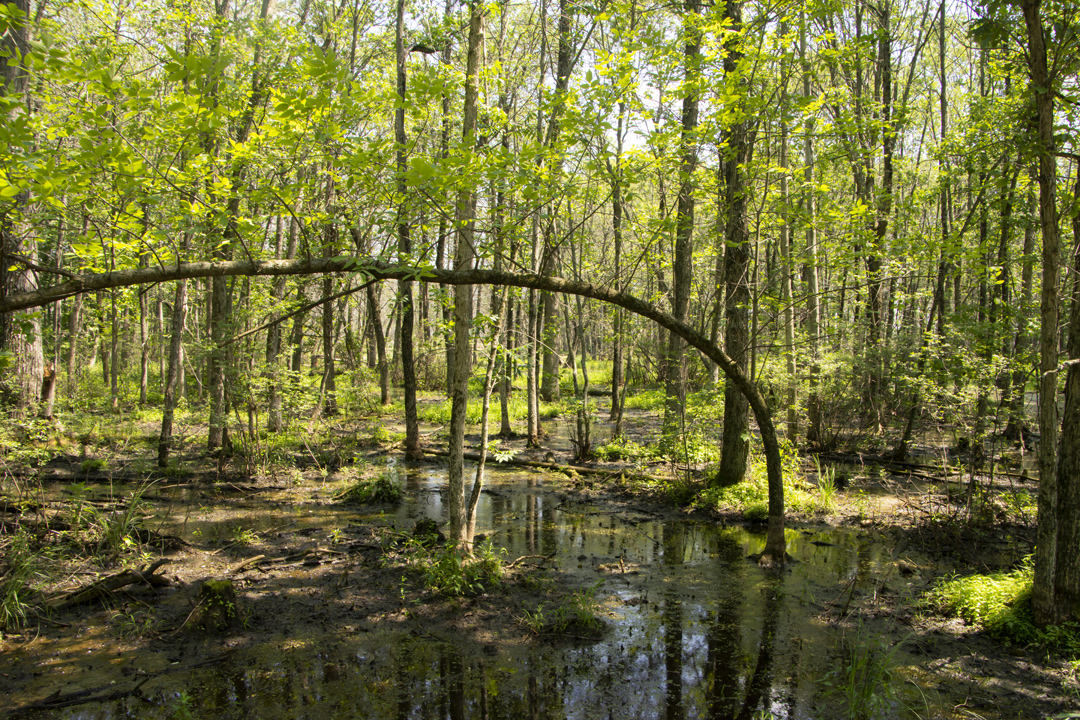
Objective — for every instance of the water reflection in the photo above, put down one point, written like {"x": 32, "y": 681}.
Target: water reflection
{"x": 696, "y": 629}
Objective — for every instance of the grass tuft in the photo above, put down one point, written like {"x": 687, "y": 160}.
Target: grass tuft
{"x": 865, "y": 674}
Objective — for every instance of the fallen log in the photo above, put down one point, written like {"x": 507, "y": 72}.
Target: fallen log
{"x": 104, "y": 588}
{"x": 936, "y": 472}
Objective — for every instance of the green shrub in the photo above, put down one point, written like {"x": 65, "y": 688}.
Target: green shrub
{"x": 757, "y": 511}
{"x": 93, "y": 465}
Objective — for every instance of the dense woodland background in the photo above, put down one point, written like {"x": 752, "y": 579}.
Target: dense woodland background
{"x": 865, "y": 204}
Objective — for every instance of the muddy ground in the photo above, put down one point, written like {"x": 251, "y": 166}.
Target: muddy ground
{"x": 301, "y": 580}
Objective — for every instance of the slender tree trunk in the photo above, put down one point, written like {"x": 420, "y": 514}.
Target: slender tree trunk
{"x": 176, "y": 361}
{"x": 1044, "y": 600}
{"x": 375, "y": 318}
{"x": 1003, "y": 281}
{"x": 616, "y": 228}
{"x": 683, "y": 266}
{"x": 405, "y": 288}
{"x": 1022, "y": 340}
{"x": 74, "y": 326}
{"x": 720, "y": 235}
{"x": 549, "y": 384}
{"x": 274, "y": 420}
{"x": 463, "y": 301}
{"x": 786, "y": 290}
{"x": 330, "y": 407}
{"x": 507, "y": 370}
{"x": 884, "y": 211}
{"x": 735, "y": 448}
{"x": 144, "y": 333}
{"x": 114, "y": 355}
{"x": 220, "y": 322}
{"x": 440, "y": 254}
{"x": 296, "y": 337}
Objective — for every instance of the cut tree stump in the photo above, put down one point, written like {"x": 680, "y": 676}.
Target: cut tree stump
{"x": 217, "y": 610}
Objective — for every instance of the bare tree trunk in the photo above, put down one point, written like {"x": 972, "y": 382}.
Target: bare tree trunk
{"x": 144, "y": 332}
{"x": 274, "y": 420}
{"x": 375, "y": 317}
{"x": 220, "y": 319}
{"x": 74, "y": 326}
{"x": 1022, "y": 339}
{"x": 682, "y": 266}
{"x": 463, "y": 300}
{"x": 507, "y": 370}
{"x": 114, "y": 355}
{"x": 330, "y": 407}
{"x": 1044, "y": 601}
{"x": 440, "y": 255}
{"x": 786, "y": 293}
{"x": 296, "y": 338}
{"x": 405, "y": 288}
{"x": 176, "y": 361}
{"x": 735, "y": 448}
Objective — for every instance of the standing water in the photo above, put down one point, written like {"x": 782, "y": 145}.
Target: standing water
{"x": 693, "y": 627}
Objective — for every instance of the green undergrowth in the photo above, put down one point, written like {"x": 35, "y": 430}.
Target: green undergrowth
{"x": 40, "y": 550}
{"x": 646, "y": 400}
{"x": 1000, "y": 603}
{"x": 751, "y": 497}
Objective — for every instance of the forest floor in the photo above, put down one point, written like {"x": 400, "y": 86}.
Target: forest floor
{"x": 303, "y": 568}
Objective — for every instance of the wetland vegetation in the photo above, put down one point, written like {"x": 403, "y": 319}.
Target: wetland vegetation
{"x": 560, "y": 359}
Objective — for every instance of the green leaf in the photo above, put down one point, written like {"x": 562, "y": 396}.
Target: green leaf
{"x": 420, "y": 171}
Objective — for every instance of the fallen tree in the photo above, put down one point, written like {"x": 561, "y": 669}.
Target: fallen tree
{"x": 375, "y": 269}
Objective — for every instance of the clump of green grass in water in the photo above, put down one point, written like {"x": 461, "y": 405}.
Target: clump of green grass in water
{"x": 447, "y": 571}
{"x": 826, "y": 487}
{"x": 119, "y": 531}
{"x": 1001, "y": 604}
{"x": 578, "y": 614}
{"x": 370, "y": 491}
{"x": 865, "y": 674}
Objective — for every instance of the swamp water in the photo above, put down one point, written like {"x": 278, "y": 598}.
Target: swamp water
{"x": 694, "y": 628}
